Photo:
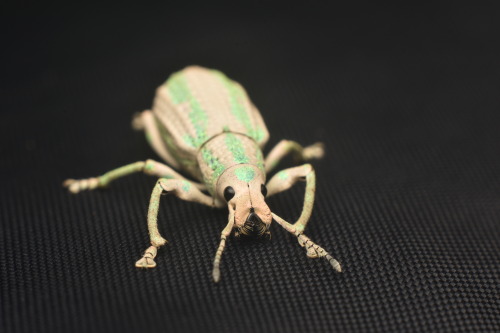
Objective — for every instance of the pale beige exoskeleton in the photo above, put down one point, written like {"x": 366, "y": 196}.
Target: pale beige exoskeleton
{"x": 204, "y": 124}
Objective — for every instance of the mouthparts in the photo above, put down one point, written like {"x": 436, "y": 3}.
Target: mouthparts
{"x": 253, "y": 226}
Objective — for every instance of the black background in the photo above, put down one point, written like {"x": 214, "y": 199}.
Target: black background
{"x": 408, "y": 197}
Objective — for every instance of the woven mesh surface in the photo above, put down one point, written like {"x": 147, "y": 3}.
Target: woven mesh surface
{"x": 408, "y": 195}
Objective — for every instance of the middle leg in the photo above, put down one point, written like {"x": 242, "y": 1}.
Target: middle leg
{"x": 149, "y": 167}
{"x": 300, "y": 154}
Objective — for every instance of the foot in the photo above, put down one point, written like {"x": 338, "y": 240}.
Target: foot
{"x": 77, "y": 185}
{"x": 316, "y": 251}
{"x": 147, "y": 260}
{"x": 314, "y": 151}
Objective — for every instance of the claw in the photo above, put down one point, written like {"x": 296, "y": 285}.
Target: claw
{"x": 147, "y": 260}
{"x": 335, "y": 264}
{"x": 216, "y": 274}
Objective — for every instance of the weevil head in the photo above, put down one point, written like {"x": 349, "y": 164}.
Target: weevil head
{"x": 242, "y": 187}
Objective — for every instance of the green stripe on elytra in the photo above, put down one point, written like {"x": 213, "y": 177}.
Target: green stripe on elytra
{"x": 179, "y": 91}
{"x": 236, "y": 98}
{"x": 234, "y": 145}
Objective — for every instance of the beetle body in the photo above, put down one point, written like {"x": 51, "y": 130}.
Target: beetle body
{"x": 197, "y": 104}
{"x": 208, "y": 124}
{"x": 204, "y": 124}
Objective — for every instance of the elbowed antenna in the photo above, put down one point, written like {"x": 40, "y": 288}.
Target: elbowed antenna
{"x": 218, "y": 255}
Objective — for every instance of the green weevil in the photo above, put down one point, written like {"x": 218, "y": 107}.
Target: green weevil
{"x": 203, "y": 124}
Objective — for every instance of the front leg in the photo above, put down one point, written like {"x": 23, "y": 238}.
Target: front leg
{"x": 285, "y": 179}
{"x": 282, "y": 181}
{"x": 313, "y": 249}
{"x": 182, "y": 189}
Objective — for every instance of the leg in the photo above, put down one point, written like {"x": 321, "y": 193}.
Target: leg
{"x": 285, "y": 179}
{"x": 313, "y": 250}
{"x": 149, "y": 167}
{"x": 300, "y": 154}
{"x": 146, "y": 121}
{"x": 282, "y": 181}
{"x": 184, "y": 190}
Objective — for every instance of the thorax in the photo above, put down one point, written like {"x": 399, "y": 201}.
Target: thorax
{"x": 224, "y": 151}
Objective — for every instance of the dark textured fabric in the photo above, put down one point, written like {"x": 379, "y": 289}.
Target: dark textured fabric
{"x": 408, "y": 196}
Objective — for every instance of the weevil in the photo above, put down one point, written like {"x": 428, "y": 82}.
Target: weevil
{"x": 203, "y": 124}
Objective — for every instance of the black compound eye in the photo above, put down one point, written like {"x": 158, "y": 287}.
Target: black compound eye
{"x": 228, "y": 193}
{"x": 263, "y": 189}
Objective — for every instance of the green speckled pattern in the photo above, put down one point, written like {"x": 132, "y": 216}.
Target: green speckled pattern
{"x": 237, "y": 99}
{"x": 244, "y": 173}
{"x": 235, "y": 146}
{"x": 196, "y": 104}
{"x": 224, "y": 151}
{"x": 178, "y": 90}
{"x": 211, "y": 167}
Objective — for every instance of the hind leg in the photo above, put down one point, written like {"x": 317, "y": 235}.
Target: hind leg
{"x": 146, "y": 121}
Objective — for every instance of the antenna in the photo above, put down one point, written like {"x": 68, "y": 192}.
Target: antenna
{"x": 218, "y": 255}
